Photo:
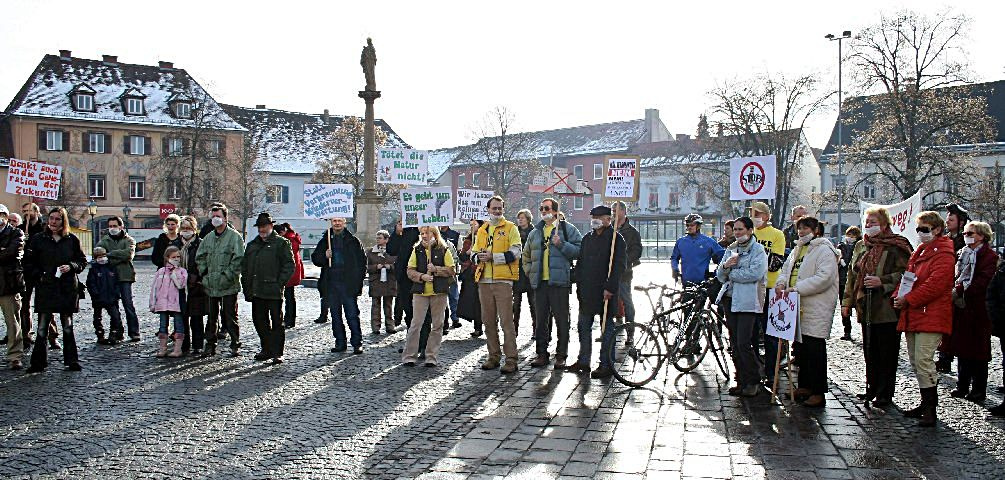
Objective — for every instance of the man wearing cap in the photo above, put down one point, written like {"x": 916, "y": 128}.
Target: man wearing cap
{"x": 773, "y": 241}
{"x": 11, "y": 285}
{"x": 598, "y": 286}
{"x": 693, "y": 252}
{"x": 220, "y": 257}
{"x": 497, "y": 266}
{"x": 344, "y": 266}
{"x": 265, "y": 269}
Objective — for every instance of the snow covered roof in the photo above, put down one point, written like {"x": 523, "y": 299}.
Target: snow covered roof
{"x": 687, "y": 150}
{"x": 293, "y": 142}
{"x": 46, "y": 94}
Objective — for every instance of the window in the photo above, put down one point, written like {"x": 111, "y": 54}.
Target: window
{"x": 838, "y": 180}
{"x": 598, "y": 199}
{"x": 475, "y": 179}
{"x": 211, "y": 190}
{"x": 96, "y": 186}
{"x": 213, "y": 148}
{"x": 460, "y": 181}
{"x": 578, "y": 202}
{"x": 699, "y": 198}
{"x": 183, "y": 110}
{"x": 85, "y": 102}
{"x": 176, "y": 147}
{"x": 136, "y": 144}
{"x": 654, "y": 200}
{"x": 277, "y": 194}
{"x": 137, "y": 187}
{"x": 598, "y": 171}
{"x": 868, "y": 191}
{"x": 578, "y": 172}
{"x": 174, "y": 190}
{"x": 951, "y": 187}
{"x": 96, "y": 143}
{"x": 53, "y": 140}
{"x": 134, "y": 106}
{"x": 673, "y": 199}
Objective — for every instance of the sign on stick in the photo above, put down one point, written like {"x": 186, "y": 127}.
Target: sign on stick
{"x": 402, "y": 166}
{"x": 471, "y": 204}
{"x": 427, "y": 207}
{"x": 34, "y": 179}
{"x": 622, "y": 178}
{"x": 783, "y": 313}
{"x": 904, "y": 215}
{"x": 752, "y": 178}
{"x": 325, "y": 201}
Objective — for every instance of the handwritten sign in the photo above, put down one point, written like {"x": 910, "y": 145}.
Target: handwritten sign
{"x": 427, "y": 207}
{"x": 34, "y": 179}
{"x": 752, "y": 178}
{"x": 328, "y": 200}
{"x": 622, "y": 178}
{"x": 904, "y": 215}
{"x": 783, "y": 313}
{"x": 471, "y": 204}
{"x": 402, "y": 166}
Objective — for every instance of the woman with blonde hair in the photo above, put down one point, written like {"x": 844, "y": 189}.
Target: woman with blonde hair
{"x": 169, "y": 238}
{"x": 431, "y": 270}
{"x": 195, "y": 304}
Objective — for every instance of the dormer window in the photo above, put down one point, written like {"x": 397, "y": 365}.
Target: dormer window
{"x": 134, "y": 106}
{"x": 183, "y": 110}
{"x": 85, "y": 102}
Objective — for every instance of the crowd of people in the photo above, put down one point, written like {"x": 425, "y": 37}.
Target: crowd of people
{"x": 945, "y": 296}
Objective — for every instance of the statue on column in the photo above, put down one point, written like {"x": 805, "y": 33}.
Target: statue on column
{"x": 368, "y": 60}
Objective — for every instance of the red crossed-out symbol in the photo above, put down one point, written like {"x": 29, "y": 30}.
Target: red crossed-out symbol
{"x": 561, "y": 179}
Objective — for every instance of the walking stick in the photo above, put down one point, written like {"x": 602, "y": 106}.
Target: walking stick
{"x": 610, "y": 266}
{"x": 865, "y": 343}
{"x": 330, "y": 233}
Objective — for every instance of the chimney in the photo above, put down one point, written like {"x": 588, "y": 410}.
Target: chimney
{"x": 681, "y": 137}
{"x": 64, "y": 55}
{"x": 111, "y": 60}
{"x": 325, "y": 116}
{"x": 655, "y": 130}
{"x": 259, "y": 107}
{"x": 165, "y": 65}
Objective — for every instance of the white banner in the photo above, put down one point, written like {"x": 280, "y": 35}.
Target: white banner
{"x": 471, "y": 204}
{"x": 904, "y": 215}
{"x": 325, "y": 201}
{"x": 402, "y": 166}
{"x": 33, "y": 179}
{"x": 752, "y": 178}
{"x": 783, "y": 313}
{"x": 427, "y": 207}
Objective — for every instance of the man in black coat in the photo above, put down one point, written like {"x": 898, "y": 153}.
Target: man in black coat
{"x": 597, "y": 287}
{"x": 32, "y": 224}
{"x": 633, "y": 252}
{"x": 11, "y": 284}
{"x": 344, "y": 267}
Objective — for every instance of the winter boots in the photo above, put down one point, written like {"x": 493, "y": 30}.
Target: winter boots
{"x": 179, "y": 340}
{"x": 926, "y": 412}
{"x": 162, "y": 350}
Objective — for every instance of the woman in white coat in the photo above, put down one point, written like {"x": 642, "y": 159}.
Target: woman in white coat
{"x": 812, "y": 271}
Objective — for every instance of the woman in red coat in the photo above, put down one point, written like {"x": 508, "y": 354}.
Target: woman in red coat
{"x": 289, "y": 293}
{"x": 971, "y": 339}
{"x": 926, "y": 308}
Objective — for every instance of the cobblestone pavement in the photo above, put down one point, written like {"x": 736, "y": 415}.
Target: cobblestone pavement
{"x": 324, "y": 415}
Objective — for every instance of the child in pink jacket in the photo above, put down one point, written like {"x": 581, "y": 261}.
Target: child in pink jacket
{"x": 165, "y": 298}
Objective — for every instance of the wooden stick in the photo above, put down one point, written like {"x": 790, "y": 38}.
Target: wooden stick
{"x": 330, "y": 232}
{"x": 774, "y": 384}
{"x": 610, "y": 265}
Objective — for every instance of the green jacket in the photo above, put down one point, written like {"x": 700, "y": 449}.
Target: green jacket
{"x": 268, "y": 264}
{"x": 120, "y": 255}
{"x": 891, "y": 267}
{"x": 219, "y": 259}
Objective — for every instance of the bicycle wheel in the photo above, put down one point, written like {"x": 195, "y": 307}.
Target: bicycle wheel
{"x": 635, "y": 354}
{"x": 688, "y": 349}
{"x": 716, "y": 343}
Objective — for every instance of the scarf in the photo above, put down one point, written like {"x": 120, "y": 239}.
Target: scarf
{"x": 869, "y": 261}
{"x": 184, "y": 249}
{"x": 965, "y": 266}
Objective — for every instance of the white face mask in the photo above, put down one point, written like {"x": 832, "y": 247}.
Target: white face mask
{"x": 187, "y": 234}
{"x": 758, "y": 223}
{"x": 217, "y": 221}
{"x": 969, "y": 240}
{"x": 101, "y": 260}
{"x": 596, "y": 224}
{"x": 114, "y": 231}
{"x": 849, "y": 240}
{"x": 742, "y": 239}
{"x": 427, "y": 242}
{"x": 872, "y": 231}
{"x": 175, "y": 261}
{"x": 495, "y": 219}
{"x": 803, "y": 240}
{"x": 926, "y": 237}
{"x": 548, "y": 217}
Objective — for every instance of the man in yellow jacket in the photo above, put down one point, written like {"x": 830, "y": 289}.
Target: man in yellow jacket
{"x": 499, "y": 249}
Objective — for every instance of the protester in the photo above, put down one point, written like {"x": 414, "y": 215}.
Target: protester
{"x": 14, "y": 220}
{"x": 744, "y": 278}
{"x": 524, "y": 225}
{"x": 196, "y": 302}
{"x": 166, "y": 293}
{"x": 121, "y": 248}
{"x": 11, "y": 285}
{"x": 452, "y": 238}
{"x": 598, "y": 279}
{"x": 103, "y": 286}
{"x": 547, "y": 258}
{"x": 497, "y": 257}
{"x": 219, "y": 259}
{"x": 399, "y": 308}
{"x": 791, "y": 235}
{"x": 926, "y": 309}
{"x": 266, "y": 267}
{"x": 970, "y": 342}
{"x": 468, "y": 305}
{"x": 344, "y": 264}
{"x": 52, "y": 260}
{"x": 169, "y": 238}
{"x": 773, "y": 241}
{"x": 876, "y": 267}
{"x": 727, "y": 238}
{"x": 847, "y": 248}
{"x": 956, "y": 218}
{"x": 996, "y": 311}
{"x": 400, "y": 245}
{"x": 810, "y": 272}
{"x": 32, "y": 225}
{"x": 431, "y": 269}
{"x": 383, "y": 286}
{"x": 286, "y": 231}
{"x": 633, "y": 252}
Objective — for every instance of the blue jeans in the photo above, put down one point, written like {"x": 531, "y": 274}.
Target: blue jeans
{"x": 179, "y": 323}
{"x": 132, "y": 322}
{"x": 585, "y": 327}
{"x": 453, "y": 296}
{"x": 340, "y": 300}
{"x": 625, "y": 294}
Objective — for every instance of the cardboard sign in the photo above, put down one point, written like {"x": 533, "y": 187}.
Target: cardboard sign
{"x": 752, "y": 178}
{"x": 327, "y": 201}
{"x": 622, "y": 178}
{"x": 471, "y": 204}
{"x": 427, "y": 207}
{"x": 34, "y": 179}
{"x": 402, "y": 166}
{"x": 904, "y": 215}
{"x": 783, "y": 313}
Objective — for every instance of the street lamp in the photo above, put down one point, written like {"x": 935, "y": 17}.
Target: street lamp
{"x": 125, "y": 214}
{"x": 844, "y": 35}
{"x": 92, "y": 210}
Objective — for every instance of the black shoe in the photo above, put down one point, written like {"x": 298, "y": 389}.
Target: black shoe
{"x": 602, "y": 371}
{"x": 959, "y": 393}
{"x": 221, "y": 335}
{"x": 976, "y": 398}
{"x": 456, "y": 325}
{"x": 846, "y": 336}
{"x": 998, "y": 411}
{"x": 944, "y": 367}
{"x": 73, "y": 367}
{"x": 196, "y": 352}
{"x": 540, "y": 361}
{"x": 409, "y": 364}
{"x": 289, "y": 326}
{"x": 104, "y": 341}
{"x": 321, "y": 320}
{"x": 262, "y": 356}
{"x": 577, "y": 368}
{"x": 357, "y": 351}
{"x": 429, "y": 364}
{"x": 881, "y": 402}
{"x": 134, "y": 338}
{"x": 864, "y": 396}
{"x": 476, "y": 334}
{"x": 338, "y": 349}
{"x": 210, "y": 351}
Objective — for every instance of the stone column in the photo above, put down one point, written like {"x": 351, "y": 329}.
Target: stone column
{"x": 369, "y": 202}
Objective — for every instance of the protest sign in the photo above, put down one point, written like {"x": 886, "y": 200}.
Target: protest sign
{"x": 34, "y": 179}
{"x": 783, "y": 313}
{"x": 471, "y": 204}
{"x": 904, "y": 215}
{"x": 427, "y": 207}
{"x": 752, "y": 178}
{"x": 326, "y": 201}
{"x": 622, "y": 178}
{"x": 402, "y": 166}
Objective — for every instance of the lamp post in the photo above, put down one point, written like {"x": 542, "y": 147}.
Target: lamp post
{"x": 844, "y": 35}
{"x": 125, "y": 214}
{"x": 92, "y": 210}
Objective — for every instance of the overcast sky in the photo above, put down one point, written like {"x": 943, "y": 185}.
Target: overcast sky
{"x": 442, "y": 65}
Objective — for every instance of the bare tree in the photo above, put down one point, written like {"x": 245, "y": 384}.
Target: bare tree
{"x": 346, "y": 161}
{"x": 246, "y": 198}
{"x": 917, "y": 68}
{"x": 989, "y": 201}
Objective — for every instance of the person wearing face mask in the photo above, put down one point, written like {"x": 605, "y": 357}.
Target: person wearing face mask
{"x": 926, "y": 309}
{"x": 524, "y": 224}
{"x": 11, "y": 285}
{"x": 790, "y": 233}
{"x": 219, "y": 259}
{"x": 166, "y": 294}
{"x": 743, "y": 274}
{"x": 32, "y": 225}
{"x": 497, "y": 266}
{"x": 102, "y": 285}
{"x": 344, "y": 265}
{"x": 267, "y": 265}
{"x": 121, "y": 249}
{"x": 847, "y": 248}
{"x": 874, "y": 272}
{"x": 810, "y": 271}
{"x": 383, "y": 287}
{"x": 773, "y": 241}
{"x": 196, "y": 303}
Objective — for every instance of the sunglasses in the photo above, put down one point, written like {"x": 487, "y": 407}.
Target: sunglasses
{"x": 969, "y": 234}
{"x": 923, "y": 230}
{"x": 544, "y": 209}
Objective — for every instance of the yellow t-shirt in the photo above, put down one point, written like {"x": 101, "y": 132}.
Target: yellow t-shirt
{"x": 448, "y": 261}
{"x": 794, "y": 276}
{"x": 773, "y": 241}
{"x": 545, "y": 274}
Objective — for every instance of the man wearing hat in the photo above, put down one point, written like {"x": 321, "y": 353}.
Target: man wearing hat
{"x": 11, "y": 285}
{"x": 267, "y": 266}
{"x": 773, "y": 241}
{"x": 597, "y": 286}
